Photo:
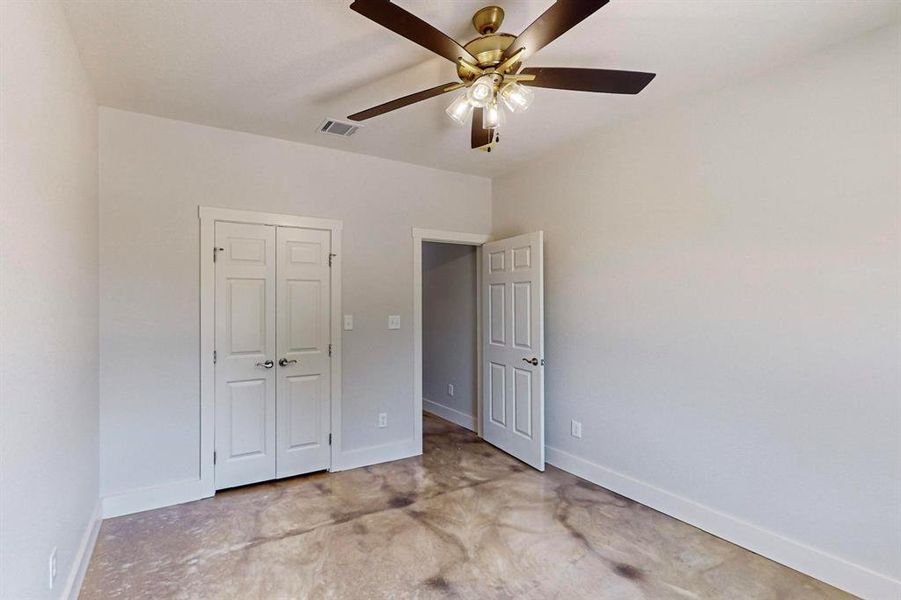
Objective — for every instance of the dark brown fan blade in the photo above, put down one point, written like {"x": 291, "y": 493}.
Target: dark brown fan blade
{"x": 588, "y": 80}
{"x": 411, "y": 27}
{"x": 480, "y": 137}
{"x": 402, "y": 102}
{"x": 562, "y": 16}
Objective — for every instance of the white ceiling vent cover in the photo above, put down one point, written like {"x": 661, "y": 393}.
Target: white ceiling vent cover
{"x": 336, "y": 127}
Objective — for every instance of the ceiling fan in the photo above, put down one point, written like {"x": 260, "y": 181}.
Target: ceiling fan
{"x": 489, "y": 65}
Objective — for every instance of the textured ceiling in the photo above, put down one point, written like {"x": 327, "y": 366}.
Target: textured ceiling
{"x": 280, "y": 68}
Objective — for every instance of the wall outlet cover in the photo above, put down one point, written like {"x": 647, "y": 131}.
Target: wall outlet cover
{"x": 576, "y": 430}
{"x": 450, "y": 389}
{"x": 383, "y": 419}
{"x": 348, "y": 322}
{"x": 393, "y": 321}
{"x": 52, "y": 569}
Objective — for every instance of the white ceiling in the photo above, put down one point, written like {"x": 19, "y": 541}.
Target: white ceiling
{"x": 280, "y": 68}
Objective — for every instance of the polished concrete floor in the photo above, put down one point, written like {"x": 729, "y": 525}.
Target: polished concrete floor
{"x": 463, "y": 520}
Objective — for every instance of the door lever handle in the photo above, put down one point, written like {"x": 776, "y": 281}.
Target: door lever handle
{"x": 284, "y": 362}
{"x": 531, "y": 361}
{"x": 266, "y": 365}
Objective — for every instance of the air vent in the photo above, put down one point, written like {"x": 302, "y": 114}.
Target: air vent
{"x": 335, "y": 127}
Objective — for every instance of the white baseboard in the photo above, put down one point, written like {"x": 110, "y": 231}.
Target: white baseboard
{"x": 818, "y": 564}
{"x": 363, "y": 457}
{"x": 189, "y": 490}
{"x": 83, "y": 555}
{"x": 158, "y": 496}
{"x": 449, "y": 414}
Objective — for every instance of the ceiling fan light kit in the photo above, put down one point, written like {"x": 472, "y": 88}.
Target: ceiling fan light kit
{"x": 489, "y": 67}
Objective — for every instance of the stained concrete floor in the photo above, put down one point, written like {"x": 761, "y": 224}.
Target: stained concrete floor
{"x": 464, "y": 521}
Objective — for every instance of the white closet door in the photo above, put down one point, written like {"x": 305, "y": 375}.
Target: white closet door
{"x": 304, "y": 336}
{"x": 245, "y": 351}
{"x": 513, "y": 346}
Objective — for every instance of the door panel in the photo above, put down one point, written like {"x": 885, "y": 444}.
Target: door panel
{"x": 522, "y": 401}
{"x": 304, "y": 326}
{"x": 513, "y": 332}
{"x": 497, "y": 389}
{"x": 246, "y": 310}
{"x": 247, "y": 410}
{"x": 245, "y": 340}
{"x": 304, "y": 335}
{"x": 522, "y": 314}
{"x": 304, "y": 406}
{"x": 496, "y": 321}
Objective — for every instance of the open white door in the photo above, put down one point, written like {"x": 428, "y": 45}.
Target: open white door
{"x": 513, "y": 346}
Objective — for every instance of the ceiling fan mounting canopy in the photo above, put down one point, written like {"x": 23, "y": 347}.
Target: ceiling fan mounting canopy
{"x": 493, "y": 61}
{"x": 488, "y": 20}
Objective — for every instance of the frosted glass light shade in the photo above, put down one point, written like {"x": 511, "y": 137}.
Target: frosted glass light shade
{"x": 481, "y": 93}
{"x": 516, "y": 97}
{"x": 460, "y": 109}
{"x": 491, "y": 116}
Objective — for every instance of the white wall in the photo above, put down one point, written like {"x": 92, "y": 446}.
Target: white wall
{"x": 153, "y": 174}
{"x": 48, "y": 294}
{"x": 449, "y": 318}
{"x": 723, "y": 303}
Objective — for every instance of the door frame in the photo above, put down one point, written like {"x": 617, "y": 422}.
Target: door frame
{"x": 208, "y": 217}
{"x": 448, "y": 237}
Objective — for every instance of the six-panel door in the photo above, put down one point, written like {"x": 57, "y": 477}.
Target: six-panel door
{"x": 513, "y": 347}
{"x": 245, "y": 341}
{"x": 273, "y": 388}
{"x": 304, "y": 383}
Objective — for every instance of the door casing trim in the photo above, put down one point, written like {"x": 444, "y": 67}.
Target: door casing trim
{"x": 208, "y": 217}
{"x": 450, "y": 237}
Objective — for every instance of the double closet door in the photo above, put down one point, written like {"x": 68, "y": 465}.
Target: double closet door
{"x": 273, "y": 371}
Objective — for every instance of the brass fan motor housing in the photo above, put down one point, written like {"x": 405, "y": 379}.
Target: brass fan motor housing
{"x": 488, "y": 50}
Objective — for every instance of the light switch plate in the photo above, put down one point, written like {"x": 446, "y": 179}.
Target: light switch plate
{"x": 383, "y": 419}
{"x": 348, "y": 322}
{"x": 393, "y": 321}
{"x": 450, "y": 389}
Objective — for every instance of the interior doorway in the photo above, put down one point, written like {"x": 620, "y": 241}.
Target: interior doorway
{"x": 509, "y": 410}
{"x": 450, "y": 332}
{"x": 456, "y": 238}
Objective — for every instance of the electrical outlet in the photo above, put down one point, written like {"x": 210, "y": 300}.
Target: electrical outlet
{"x": 383, "y": 419}
{"x": 450, "y": 389}
{"x": 576, "y": 430}
{"x": 52, "y": 569}
{"x": 348, "y": 322}
{"x": 393, "y": 321}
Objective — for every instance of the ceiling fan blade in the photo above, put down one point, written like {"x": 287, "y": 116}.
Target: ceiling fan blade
{"x": 588, "y": 80}
{"x": 411, "y": 27}
{"x": 405, "y": 101}
{"x": 562, "y": 16}
{"x": 480, "y": 137}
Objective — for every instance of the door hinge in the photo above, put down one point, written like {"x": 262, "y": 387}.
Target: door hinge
{"x": 216, "y": 251}
{"x": 214, "y": 357}
{"x": 542, "y": 362}
{"x": 214, "y": 457}
{"x": 329, "y": 349}
{"x": 330, "y": 257}
{"x": 329, "y": 439}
